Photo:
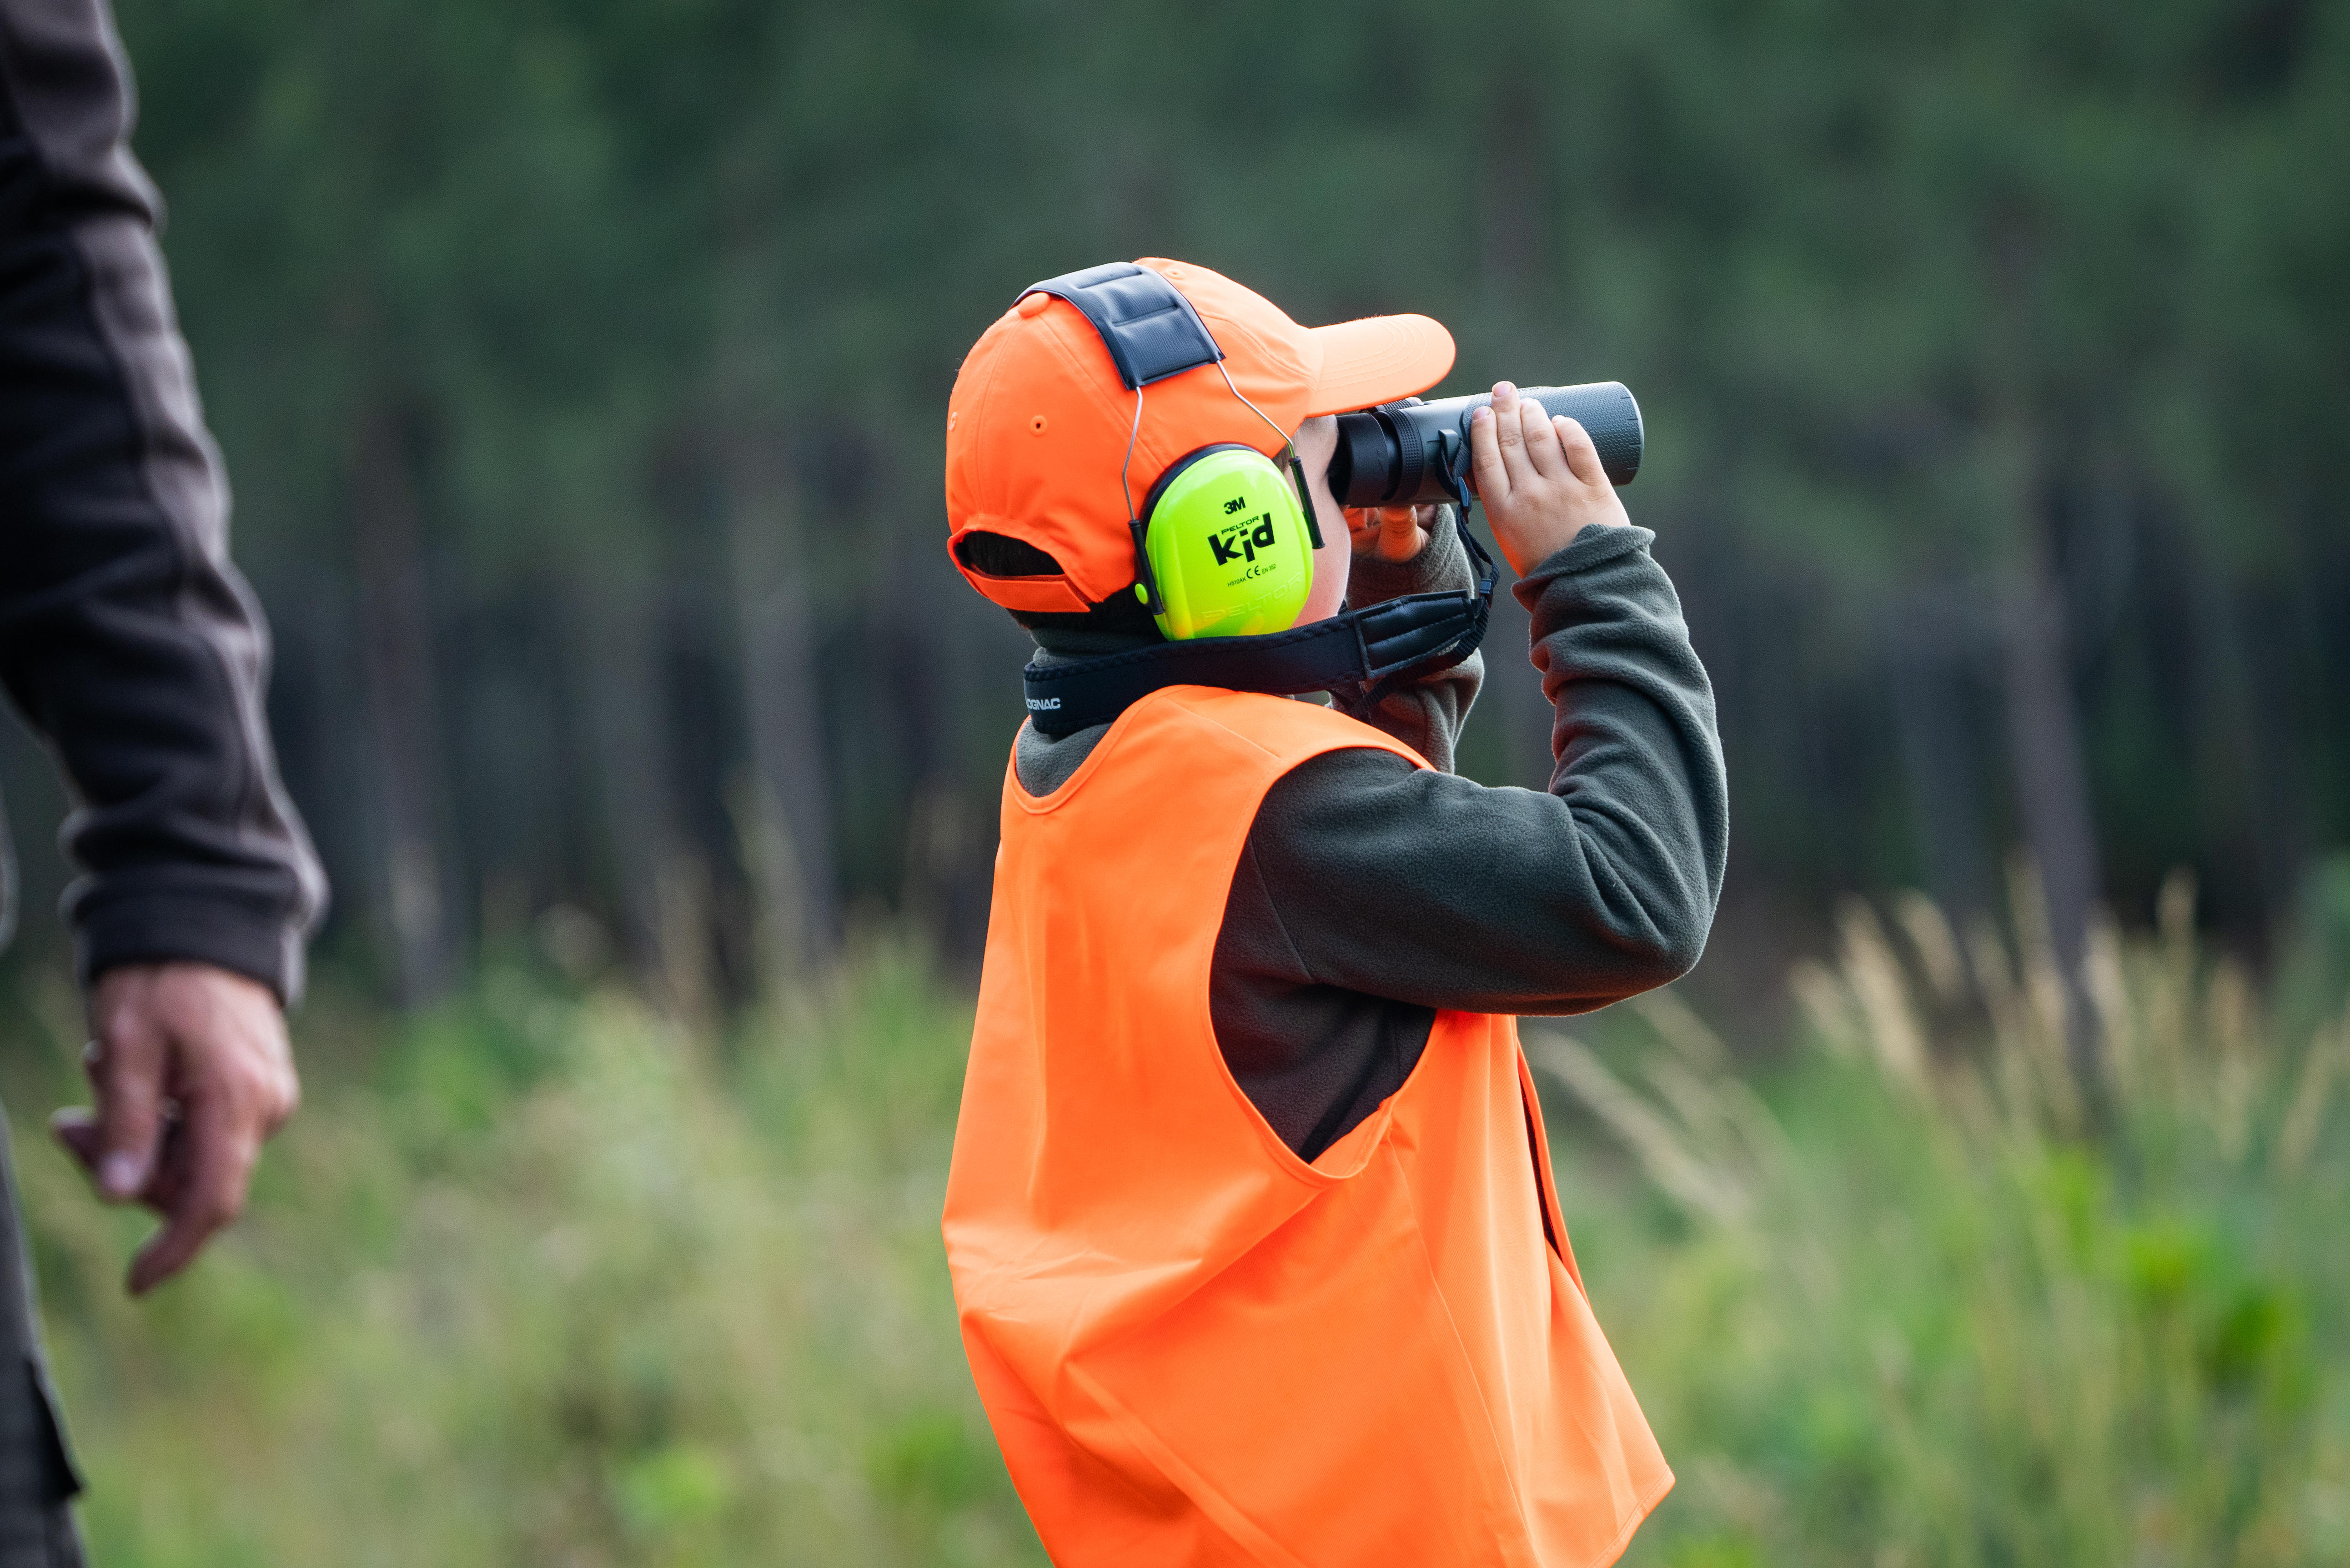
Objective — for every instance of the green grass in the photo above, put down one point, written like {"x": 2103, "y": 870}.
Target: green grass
{"x": 549, "y": 1282}
{"x": 1913, "y": 1316}
{"x": 545, "y": 1279}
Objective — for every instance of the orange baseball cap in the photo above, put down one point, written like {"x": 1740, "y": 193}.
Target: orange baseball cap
{"x": 1038, "y": 422}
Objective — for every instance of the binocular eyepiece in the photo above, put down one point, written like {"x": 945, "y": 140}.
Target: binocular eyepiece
{"x": 1406, "y": 454}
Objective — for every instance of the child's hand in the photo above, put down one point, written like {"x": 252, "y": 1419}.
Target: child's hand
{"x": 1390, "y": 534}
{"x": 1539, "y": 478}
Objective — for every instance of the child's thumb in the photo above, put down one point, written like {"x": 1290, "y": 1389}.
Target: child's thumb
{"x": 1399, "y": 534}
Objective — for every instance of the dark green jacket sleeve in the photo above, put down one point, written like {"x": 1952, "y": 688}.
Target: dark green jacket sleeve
{"x": 1426, "y": 889}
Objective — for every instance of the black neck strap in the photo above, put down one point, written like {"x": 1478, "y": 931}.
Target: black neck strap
{"x": 1359, "y": 656}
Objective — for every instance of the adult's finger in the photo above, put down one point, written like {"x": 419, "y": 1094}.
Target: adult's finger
{"x": 126, "y": 1064}
{"x": 1581, "y": 453}
{"x": 1486, "y": 457}
{"x": 223, "y": 1141}
{"x": 77, "y": 1129}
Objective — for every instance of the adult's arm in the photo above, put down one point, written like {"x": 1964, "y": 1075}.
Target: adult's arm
{"x": 127, "y": 637}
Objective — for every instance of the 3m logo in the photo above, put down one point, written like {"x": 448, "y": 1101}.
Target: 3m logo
{"x": 1235, "y": 504}
{"x": 1242, "y": 540}
{"x": 1043, "y": 704}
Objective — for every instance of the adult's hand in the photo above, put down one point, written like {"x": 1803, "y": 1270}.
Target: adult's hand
{"x": 191, "y": 1070}
{"x": 1540, "y": 479}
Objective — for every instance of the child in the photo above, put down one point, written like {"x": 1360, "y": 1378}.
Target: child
{"x": 1250, "y": 1217}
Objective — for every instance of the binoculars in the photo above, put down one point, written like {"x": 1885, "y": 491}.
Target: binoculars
{"x": 1406, "y": 454}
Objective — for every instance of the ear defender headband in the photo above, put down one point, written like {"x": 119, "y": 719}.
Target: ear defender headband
{"x": 1225, "y": 546}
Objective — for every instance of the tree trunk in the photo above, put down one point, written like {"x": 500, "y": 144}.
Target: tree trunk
{"x": 2053, "y": 794}
{"x": 663, "y": 890}
{"x": 2052, "y": 784}
{"x": 2237, "y": 797}
{"x": 787, "y": 812}
{"x": 902, "y": 615}
{"x": 403, "y": 709}
{"x": 1932, "y": 643}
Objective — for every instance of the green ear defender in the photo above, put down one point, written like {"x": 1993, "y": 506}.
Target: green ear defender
{"x": 1229, "y": 544}
{"x": 1225, "y": 551}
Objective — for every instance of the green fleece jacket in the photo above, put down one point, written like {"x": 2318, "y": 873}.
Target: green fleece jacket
{"x": 1372, "y": 894}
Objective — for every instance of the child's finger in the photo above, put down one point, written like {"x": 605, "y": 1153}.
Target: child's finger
{"x": 1486, "y": 457}
{"x": 1510, "y": 434}
{"x": 1542, "y": 443}
{"x": 1582, "y": 455}
{"x": 1399, "y": 534}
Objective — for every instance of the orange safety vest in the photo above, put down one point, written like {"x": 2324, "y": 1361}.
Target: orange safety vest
{"x": 1195, "y": 1347}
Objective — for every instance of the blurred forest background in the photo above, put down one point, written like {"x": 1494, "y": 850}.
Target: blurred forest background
{"x": 580, "y": 366}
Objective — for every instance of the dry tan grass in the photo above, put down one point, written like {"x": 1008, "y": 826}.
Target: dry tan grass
{"x": 1925, "y": 1319}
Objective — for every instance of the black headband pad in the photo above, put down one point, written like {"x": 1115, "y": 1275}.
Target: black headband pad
{"x": 1151, "y": 329}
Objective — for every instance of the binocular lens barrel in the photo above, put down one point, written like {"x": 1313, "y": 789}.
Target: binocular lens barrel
{"x": 1400, "y": 454}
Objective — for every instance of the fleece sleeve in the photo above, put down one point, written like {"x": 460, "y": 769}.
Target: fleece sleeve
{"x": 1427, "y": 888}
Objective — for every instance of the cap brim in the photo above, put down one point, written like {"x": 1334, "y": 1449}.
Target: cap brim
{"x": 1377, "y": 361}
